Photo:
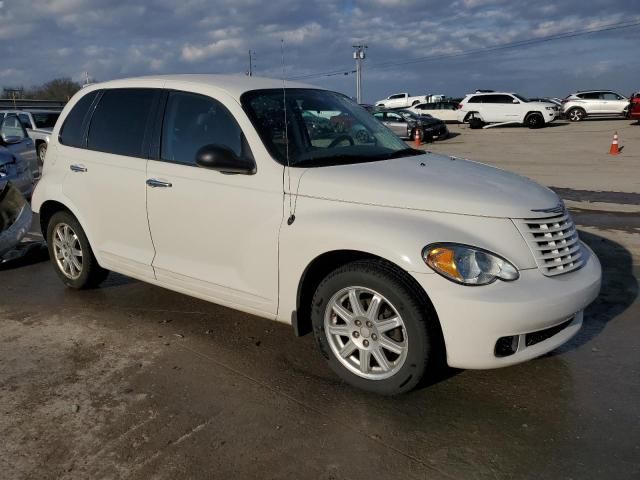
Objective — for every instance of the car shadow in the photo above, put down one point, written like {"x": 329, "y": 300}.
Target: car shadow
{"x": 619, "y": 289}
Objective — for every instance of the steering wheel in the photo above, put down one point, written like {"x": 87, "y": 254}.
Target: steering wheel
{"x": 341, "y": 138}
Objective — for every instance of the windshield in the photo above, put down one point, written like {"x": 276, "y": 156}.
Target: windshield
{"x": 409, "y": 115}
{"x": 521, "y": 98}
{"x": 322, "y": 128}
{"x": 45, "y": 120}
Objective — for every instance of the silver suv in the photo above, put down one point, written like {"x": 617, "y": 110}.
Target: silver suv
{"x": 594, "y": 103}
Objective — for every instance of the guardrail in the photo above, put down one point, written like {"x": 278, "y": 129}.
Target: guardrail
{"x": 23, "y": 104}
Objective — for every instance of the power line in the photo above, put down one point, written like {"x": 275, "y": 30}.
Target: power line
{"x": 504, "y": 46}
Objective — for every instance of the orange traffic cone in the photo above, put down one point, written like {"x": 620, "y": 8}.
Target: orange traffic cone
{"x": 416, "y": 137}
{"x": 614, "y": 150}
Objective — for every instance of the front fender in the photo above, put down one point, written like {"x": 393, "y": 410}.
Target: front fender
{"x": 397, "y": 235}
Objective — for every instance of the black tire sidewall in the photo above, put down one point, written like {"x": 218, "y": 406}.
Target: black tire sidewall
{"x": 392, "y": 288}
{"x": 537, "y": 124}
{"x": 90, "y": 268}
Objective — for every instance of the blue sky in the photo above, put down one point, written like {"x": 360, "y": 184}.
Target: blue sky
{"x": 44, "y": 39}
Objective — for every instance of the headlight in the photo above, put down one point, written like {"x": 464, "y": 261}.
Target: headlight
{"x": 550, "y": 108}
{"x": 468, "y": 265}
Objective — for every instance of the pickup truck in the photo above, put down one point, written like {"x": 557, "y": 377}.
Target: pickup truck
{"x": 38, "y": 124}
{"x": 403, "y": 100}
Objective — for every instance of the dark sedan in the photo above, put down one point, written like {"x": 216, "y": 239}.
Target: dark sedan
{"x": 405, "y": 123}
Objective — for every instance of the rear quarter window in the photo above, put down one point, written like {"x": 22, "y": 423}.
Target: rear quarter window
{"x": 72, "y": 132}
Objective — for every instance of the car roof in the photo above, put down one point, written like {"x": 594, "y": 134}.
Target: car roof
{"x": 491, "y": 93}
{"x": 31, "y": 110}
{"x": 234, "y": 85}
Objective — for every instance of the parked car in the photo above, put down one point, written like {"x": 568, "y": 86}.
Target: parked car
{"x": 404, "y": 124}
{"x": 633, "y": 110}
{"x": 15, "y": 217}
{"x": 594, "y": 103}
{"x": 17, "y": 155}
{"x": 555, "y": 101}
{"x": 432, "y": 128}
{"x": 502, "y": 107}
{"x": 446, "y": 111}
{"x": 401, "y": 100}
{"x": 398, "y": 260}
{"x": 39, "y": 124}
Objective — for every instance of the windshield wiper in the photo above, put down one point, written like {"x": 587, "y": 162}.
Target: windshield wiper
{"x": 405, "y": 152}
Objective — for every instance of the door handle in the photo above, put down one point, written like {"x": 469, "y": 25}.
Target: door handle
{"x": 153, "y": 183}
{"x": 78, "y": 168}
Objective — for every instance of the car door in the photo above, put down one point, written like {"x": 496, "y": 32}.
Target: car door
{"x": 612, "y": 103}
{"x": 106, "y": 175}
{"x": 396, "y": 101}
{"x": 215, "y": 234}
{"x": 25, "y": 148}
{"x": 396, "y": 123}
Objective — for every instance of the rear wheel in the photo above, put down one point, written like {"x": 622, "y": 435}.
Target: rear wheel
{"x": 374, "y": 329}
{"x": 576, "y": 114}
{"x": 475, "y": 123}
{"x": 71, "y": 254}
{"x": 42, "y": 151}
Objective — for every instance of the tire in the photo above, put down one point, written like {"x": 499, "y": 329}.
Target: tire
{"x": 65, "y": 237}
{"x": 42, "y": 152}
{"x": 475, "y": 123}
{"x": 403, "y": 332}
{"x": 534, "y": 120}
{"x": 576, "y": 114}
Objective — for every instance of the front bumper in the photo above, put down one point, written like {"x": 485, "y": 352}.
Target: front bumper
{"x": 473, "y": 319}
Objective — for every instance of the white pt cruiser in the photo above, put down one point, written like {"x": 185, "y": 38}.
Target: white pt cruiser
{"x": 295, "y": 204}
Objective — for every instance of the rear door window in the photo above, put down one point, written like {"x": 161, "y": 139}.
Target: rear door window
{"x": 72, "y": 131}
{"x": 25, "y": 120}
{"x": 120, "y": 121}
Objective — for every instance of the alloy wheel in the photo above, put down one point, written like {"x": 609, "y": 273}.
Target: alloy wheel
{"x": 67, "y": 251}
{"x": 575, "y": 115}
{"x": 366, "y": 333}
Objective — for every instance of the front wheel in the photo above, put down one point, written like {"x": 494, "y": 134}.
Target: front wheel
{"x": 374, "y": 328}
{"x": 71, "y": 254}
{"x": 534, "y": 120}
{"x": 576, "y": 114}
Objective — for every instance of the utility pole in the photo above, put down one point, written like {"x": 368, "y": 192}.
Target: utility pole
{"x": 359, "y": 56}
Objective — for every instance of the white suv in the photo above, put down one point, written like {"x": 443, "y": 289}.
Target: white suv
{"x": 397, "y": 260}
{"x": 594, "y": 103}
{"x": 501, "y": 107}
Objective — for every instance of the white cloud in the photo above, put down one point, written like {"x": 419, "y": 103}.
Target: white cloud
{"x": 194, "y": 53}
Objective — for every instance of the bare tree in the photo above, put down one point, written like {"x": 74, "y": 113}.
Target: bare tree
{"x": 56, "y": 89}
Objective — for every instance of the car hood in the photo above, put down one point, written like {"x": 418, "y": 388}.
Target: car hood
{"x": 431, "y": 182}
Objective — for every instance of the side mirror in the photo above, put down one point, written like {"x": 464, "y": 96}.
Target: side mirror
{"x": 218, "y": 157}
{"x": 11, "y": 134}
{"x": 515, "y": 101}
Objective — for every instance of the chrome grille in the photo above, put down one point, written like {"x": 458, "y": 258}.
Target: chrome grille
{"x": 554, "y": 242}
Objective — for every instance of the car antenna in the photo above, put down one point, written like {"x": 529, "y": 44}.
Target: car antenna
{"x": 292, "y": 216}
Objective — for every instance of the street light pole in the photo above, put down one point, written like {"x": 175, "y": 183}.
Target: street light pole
{"x": 359, "y": 56}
